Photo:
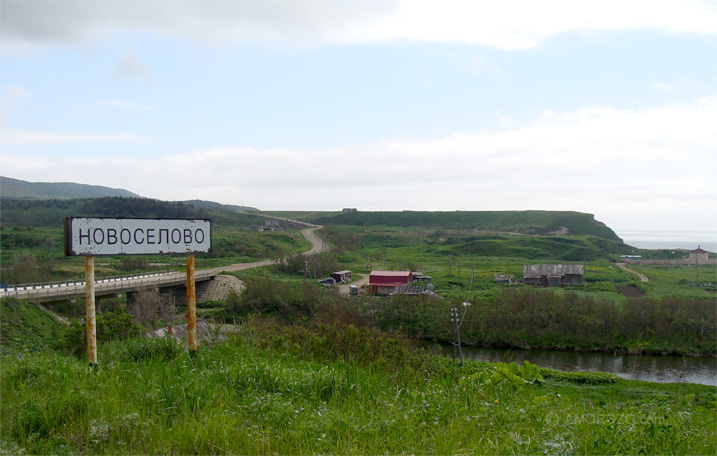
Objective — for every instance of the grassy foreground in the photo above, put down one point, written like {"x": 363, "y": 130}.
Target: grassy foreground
{"x": 332, "y": 388}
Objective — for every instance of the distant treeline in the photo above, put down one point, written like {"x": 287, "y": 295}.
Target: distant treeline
{"x": 519, "y": 318}
{"x": 529, "y": 318}
{"x": 543, "y": 319}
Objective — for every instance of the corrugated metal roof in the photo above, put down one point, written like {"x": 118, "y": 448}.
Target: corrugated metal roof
{"x": 391, "y": 273}
{"x": 410, "y": 289}
{"x": 389, "y": 278}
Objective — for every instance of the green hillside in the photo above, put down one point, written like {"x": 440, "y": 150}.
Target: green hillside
{"x": 24, "y": 326}
{"x": 15, "y": 188}
{"x": 522, "y": 222}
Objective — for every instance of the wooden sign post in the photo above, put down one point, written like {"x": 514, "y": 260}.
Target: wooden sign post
{"x": 90, "y": 310}
{"x": 191, "y": 306}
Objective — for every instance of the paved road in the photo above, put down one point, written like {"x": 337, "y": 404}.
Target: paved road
{"x": 59, "y": 291}
{"x": 643, "y": 277}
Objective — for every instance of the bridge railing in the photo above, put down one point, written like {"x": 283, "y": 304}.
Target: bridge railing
{"x": 40, "y": 290}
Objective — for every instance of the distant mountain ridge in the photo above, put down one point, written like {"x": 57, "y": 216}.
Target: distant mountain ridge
{"x": 22, "y": 190}
{"x": 16, "y": 188}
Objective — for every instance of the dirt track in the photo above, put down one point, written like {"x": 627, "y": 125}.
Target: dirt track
{"x": 643, "y": 277}
{"x": 345, "y": 288}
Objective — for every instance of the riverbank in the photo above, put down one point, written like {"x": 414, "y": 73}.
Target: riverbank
{"x": 661, "y": 369}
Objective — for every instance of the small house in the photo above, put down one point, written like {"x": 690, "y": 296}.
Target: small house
{"x": 341, "y": 276}
{"x": 420, "y": 277}
{"x": 553, "y": 274}
{"x": 271, "y": 225}
{"x": 386, "y": 282}
{"x": 699, "y": 256}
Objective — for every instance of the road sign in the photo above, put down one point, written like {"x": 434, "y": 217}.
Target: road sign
{"x": 136, "y": 236}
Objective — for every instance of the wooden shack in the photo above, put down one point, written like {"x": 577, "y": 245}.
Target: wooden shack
{"x": 553, "y": 274}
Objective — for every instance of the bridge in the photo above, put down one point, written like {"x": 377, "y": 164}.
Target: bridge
{"x": 59, "y": 291}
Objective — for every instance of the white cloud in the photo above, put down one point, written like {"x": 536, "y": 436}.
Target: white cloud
{"x": 508, "y": 24}
{"x": 18, "y": 137}
{"x": 633, "y": 168}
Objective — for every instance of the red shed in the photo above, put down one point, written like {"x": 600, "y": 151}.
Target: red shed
{"x": 386, "y": 282}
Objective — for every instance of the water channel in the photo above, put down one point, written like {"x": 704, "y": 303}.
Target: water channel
{"x": 663, "y": 369}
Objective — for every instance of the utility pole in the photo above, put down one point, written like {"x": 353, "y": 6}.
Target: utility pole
{"x": 473, "y": 283}
{"x": 456, "y": 324}
{"x": 697, "y": 265}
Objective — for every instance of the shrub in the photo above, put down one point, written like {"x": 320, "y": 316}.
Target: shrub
{"x": 592, "y": 378}
{"x": 114, "y": 325}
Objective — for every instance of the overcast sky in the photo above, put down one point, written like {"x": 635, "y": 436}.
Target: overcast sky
{"x": 606, "y": 107}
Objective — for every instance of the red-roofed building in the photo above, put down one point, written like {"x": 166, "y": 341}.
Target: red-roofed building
{"x": 386, "y": 282}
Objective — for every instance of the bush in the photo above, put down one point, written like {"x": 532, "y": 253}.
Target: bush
{"x": 134, "y": 263}
{"x": 269, "y": 296}
{"x": 592, "y": 378}
{"x": 114, "y": 325}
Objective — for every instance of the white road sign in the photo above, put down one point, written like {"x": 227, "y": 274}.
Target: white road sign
{"x": 127, "y": 236}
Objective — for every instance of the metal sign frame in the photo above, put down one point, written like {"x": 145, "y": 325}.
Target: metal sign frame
{"x": 94, "y": 236}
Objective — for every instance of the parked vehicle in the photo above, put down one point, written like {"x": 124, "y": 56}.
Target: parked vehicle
{"x": 354, "y": 290}
{"x": 329, "y": 281}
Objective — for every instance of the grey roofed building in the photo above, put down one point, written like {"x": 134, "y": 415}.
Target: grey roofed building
{"x": 553, "y": 274}
{"x": 271, "y": 225}
{"x": 341, "y": 276}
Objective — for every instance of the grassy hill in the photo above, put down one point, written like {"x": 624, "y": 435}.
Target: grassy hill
{"x": 24, "y": 326}
{"x": 16, "y": 188}
{"x": 522, "y": 222}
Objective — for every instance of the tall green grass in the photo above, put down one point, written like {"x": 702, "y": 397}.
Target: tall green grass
{"x": 330, "y": 389}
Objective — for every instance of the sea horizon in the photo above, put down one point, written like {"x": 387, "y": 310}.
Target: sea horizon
{"x": 678, "y": 240}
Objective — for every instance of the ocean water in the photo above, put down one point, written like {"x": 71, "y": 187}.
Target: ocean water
{"x": 688, "y": 240}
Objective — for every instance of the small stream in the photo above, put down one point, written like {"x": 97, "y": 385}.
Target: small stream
{"x": 663, "y": 369}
